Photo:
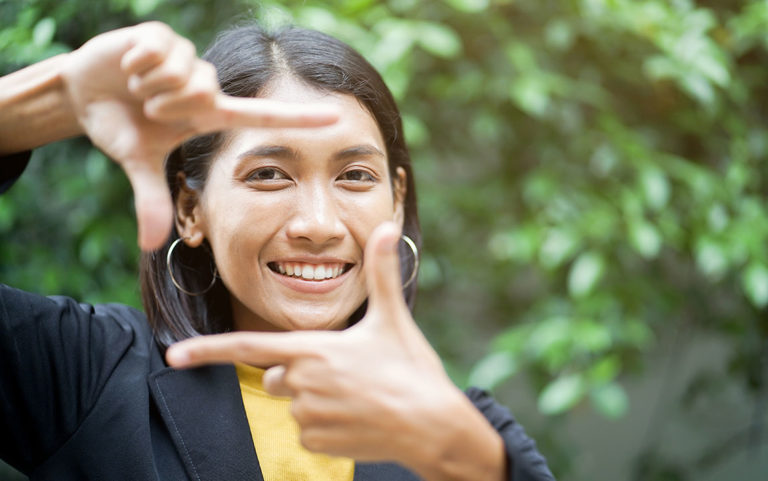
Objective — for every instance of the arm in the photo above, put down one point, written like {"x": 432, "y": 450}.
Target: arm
{"x": 34, "y": 107}
{"x": 55, "y": 357}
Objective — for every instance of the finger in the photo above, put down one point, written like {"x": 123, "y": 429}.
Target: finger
{"x": 196, "y": 99}
{"x": 232, "y": 112}
{"x": 173, "y": 73}
{"x": 274, "y": 382}
{"x": 152, "y": 199}
{"x": 263, "y": 349}
{"x": 382, "y": 270}
{"x": 151, "y": 44}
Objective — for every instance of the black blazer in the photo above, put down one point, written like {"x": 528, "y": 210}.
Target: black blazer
{"x": 85, "y": 394}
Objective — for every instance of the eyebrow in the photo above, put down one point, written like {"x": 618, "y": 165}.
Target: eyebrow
{"x": 287, "y": 153}
{"x": 273, "y": 151}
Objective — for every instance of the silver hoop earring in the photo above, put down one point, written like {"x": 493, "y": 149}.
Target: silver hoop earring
{"x": 415, "y": 250}
{"x": 173, "y": 279}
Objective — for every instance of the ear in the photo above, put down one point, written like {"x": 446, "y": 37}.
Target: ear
{"x": 400, "y": 188}
{"x": 189, "y": 218}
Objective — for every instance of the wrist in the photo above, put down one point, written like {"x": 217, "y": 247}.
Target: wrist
{"x": 462, "y": 445}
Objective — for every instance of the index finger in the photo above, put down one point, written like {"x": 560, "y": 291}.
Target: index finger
{"x": 262, "y": 349}
{"x": 255, "y": 112}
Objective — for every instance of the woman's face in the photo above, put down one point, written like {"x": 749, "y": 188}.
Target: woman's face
{"x": 288, "y": 212}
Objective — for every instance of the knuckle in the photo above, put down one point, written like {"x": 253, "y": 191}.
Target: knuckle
{"x": 187, "y": 46}
{"x": 311, "y": 440}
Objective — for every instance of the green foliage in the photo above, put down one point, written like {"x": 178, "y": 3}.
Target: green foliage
{"x": 591, "y": 175}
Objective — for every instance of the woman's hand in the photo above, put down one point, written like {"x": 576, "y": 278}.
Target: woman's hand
{"x": 137, "y": 92}
{"x": 374, "y": 392}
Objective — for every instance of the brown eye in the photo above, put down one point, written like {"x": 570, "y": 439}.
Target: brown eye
{"x": 357, "y": 175}
{"x": 266, "y": 174}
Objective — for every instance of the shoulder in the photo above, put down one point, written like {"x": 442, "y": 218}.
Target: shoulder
{"x": 524, "y": 460}
{"x": 22, "y": 311}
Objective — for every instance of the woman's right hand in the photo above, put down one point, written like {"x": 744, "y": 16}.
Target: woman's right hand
{"x": 138, "y": 92}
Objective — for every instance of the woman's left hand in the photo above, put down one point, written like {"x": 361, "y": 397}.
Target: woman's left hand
{"x": 374, "y": 392}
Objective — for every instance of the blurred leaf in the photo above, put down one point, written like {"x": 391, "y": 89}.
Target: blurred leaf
{"x": 469, "y": 6}
{"x": 655, "y": 188}
{"x": 144, "y": 7}
{"x": 610, "y": 400}
{"x": 585, "y": 273}
{"x": 42, "y": 35}
{"x": 711, "y": 258}
{"x": 561, "y": 394}
{"x": 645, "y": 238}
{"x": 492, "y": 370}
{"x": 438, "y": 40}
{"x": 754, "y": 281}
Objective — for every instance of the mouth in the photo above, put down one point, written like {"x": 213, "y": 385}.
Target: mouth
{"x": 309, "y": 272}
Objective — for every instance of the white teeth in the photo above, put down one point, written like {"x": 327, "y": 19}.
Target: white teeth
{"x": 319, "y": 273}
{"x": 307, "y": 272}
{"x": 310, "y": 272}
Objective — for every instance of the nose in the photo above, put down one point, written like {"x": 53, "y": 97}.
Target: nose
{"x": 315, "y": 216}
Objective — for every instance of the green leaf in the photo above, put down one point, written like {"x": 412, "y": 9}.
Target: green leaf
{"x": 469, "y": 6}
{"x": 144, "y": 7}
{"x": 645, "y": 238}
{"x": 585, "y": 273}
{"x": 754, "y": 281}
{"x": 711, "y": 258}
{"x": 42, "y": 35}
{"x": 530, "y": 94}
{"x": 492, "y": 370}
{"x": 610, "y": 400}
{"x": 655, "y": 188}
{"x": 557, "y": 247}
{"x": 561, "y": 394}
{"x": 438, "y": 40}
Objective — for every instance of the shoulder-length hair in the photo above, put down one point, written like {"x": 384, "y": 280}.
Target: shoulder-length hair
{"x": 247, "y": 58}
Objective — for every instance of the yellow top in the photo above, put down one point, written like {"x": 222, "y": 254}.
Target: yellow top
{"x": 276, "y": 436}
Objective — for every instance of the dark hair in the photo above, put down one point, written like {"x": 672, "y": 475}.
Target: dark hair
{"x": 247, "y": 58}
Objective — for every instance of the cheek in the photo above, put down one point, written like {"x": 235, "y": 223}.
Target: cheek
{"x": 363, "y": 214}
{"x": 237, "y": 228}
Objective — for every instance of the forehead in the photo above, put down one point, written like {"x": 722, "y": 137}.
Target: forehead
{"x": 356, "y": 125}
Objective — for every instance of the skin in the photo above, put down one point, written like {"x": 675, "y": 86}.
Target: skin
{"x": 310, "y": 195}
{"x": 374, "y": 392}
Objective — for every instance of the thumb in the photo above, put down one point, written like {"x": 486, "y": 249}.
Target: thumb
{"x": 382, "y": 271}
{"x": 154, "y": 212}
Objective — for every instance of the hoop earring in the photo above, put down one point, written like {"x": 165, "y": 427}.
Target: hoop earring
{"x": 415, "y": 251}
{"x": 173, "y": 279}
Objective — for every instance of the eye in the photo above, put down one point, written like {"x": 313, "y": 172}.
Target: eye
{"x": 357, "y": 175}
{"x": 266, "y": 174}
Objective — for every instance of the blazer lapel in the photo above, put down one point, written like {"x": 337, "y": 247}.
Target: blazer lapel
{"x": 203, "y": 410}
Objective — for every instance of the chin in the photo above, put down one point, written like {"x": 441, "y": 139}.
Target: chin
{"x": 314, "y": 325}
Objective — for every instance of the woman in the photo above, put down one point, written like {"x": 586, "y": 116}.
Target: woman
{"x": 274, "y": 230}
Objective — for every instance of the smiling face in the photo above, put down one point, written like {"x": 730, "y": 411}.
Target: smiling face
{"x": 287, "y": 213}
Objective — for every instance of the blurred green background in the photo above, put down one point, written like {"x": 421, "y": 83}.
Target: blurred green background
{"x": 593, "y": 196}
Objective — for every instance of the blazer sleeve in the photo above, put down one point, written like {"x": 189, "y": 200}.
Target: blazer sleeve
{"x": 524, "y": 461}
{"x": 11, "y": 167}
{"x": 55, "y": 357}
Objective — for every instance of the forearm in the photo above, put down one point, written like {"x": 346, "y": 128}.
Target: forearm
{"x": 463, "y": 447}
{"x": 34, "y": 107}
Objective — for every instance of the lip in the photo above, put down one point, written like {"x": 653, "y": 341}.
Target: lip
{"x": 311, "y": 287}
